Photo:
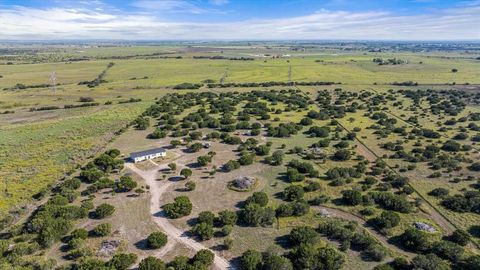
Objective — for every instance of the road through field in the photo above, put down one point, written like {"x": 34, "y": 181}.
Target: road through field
{"x": 157, "y": 188}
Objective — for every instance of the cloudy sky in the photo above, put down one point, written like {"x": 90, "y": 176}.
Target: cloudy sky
{"x": 240, "y": 19}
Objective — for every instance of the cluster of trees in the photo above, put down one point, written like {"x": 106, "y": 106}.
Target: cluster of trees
{"x": 202, "y": 260}
{"x": 296, "y": 167}
{"x": 207, "y": 221}
{"x": 54, "y": 219}
{"x": 141, "y": 123}
{"x": 255, "y": 212}
{"x": 284, "y": 130}
{"x": 350, "y": 236}
{"x": 341, "y": 175}
{"x": 469, "y": 201}
{"x": 389, "y": 61}
{"x": 438, "y": 254}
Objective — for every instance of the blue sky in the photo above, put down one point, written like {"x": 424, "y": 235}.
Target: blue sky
{"x": 240, "y": 19}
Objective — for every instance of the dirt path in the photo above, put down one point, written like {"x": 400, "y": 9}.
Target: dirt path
{"x": 334, "y": 212}
{"x": 157, "y": 188}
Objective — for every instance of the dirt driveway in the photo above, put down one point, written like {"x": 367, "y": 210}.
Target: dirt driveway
{"x": 157, "y": 188}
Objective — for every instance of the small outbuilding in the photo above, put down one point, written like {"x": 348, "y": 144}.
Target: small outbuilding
{"x": 148, "y": 154}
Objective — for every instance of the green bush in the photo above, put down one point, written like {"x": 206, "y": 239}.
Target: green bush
{"x": 179, "y": 208}
{"x": 156, "y": 240}
{"x": 103, "y": 229}
{"x": 104, "y": 210}
{"x": 151, "y": 263}
{"x": 122, "y": 261}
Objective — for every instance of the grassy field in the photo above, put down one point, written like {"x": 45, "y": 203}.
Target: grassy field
{"x": 36, "y": 154}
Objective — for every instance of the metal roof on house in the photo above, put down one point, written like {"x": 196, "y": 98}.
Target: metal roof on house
{"x": 147, "y": 152}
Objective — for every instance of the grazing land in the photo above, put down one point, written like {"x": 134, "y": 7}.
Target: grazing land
{"x": 278, "y": 156}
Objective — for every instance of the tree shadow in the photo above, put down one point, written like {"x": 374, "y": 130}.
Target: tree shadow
{"x": 176, "y": 178}
{"x": 474, "y": 230}
{"x": 193, "y": 165}
{"x": 142, "y": 244}
{"x": 338, "y": 201}
{"x": 278, "y": 195}
{"x": 283, "y": 241}
{"x": 218, "y": 247}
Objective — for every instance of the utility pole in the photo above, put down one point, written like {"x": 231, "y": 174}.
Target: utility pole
{"x": 53, "y": 82}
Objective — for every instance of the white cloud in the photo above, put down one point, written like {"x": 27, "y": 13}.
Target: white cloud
{"x": 57, "y": 23}
{"x": 180, "y": 6}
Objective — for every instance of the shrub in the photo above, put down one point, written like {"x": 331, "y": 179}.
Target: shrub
{"x": 439, "y": 192}
{"x": 206, "y": 217}
{"x": 303, "y": 235}
{"x": 294, "y": 176}
{"x": 277, "y": 158}
{"x": 190, "y": 186}
{"x": 186, "y": 173}
{"x": 103, "y": 229}
{"x": 227, "y": 217}
{"x": 293, "y": 193}
{"x": 204, "y": 257}
{"x": 251, "y": 260}
{"x": 179, "y": 208}
{"x": 273, "y": 262}
{"x": 475, "y": 167}
{"x": 429, "y": 262}
{"x": 125, "y": 184}
{"x": 374, "y": 252}
{"x": 387, "y": 220}
{"x": 415, "y": 240}
{"x": 228, "y": 243}
{"x": 79, "y": 233}
{"x": 447, "y": 250}
{"x": 451, "y": 146}
{"x": 231, "y": 165}
{"x": 204, "y": 160}
{"x": 203, "y": 230}
{"x": 151, "y": 263}
{"x": 156, "y": 240}
{"x": 352, "y": 197}
{"x": 255, "y": 215}
{"x": 260, "y": 198}
{"x": 342, "y": 155}
{"x": 122, "y": 261}
{"x": 157, "y": 134}
{"x": 460, "y": 237}
{"x": 104, "y": 210}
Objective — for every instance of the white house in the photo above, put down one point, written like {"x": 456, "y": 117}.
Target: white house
{"x": 148, "y": 154}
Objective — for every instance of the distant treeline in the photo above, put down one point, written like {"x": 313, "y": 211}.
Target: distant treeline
{"x": 268, "y": 84}
{"x": 48, "y": 108}
{"x": 21, "y": 86}
{"x": 124, "y": 57}
{"x": 97, "y": 81}
{"x": 184, "y": 86}
{"x": 131, "y": 100}
{"x": 219, "y": 57}
{"x": 88, "y": 104}
{"x": 407, "y": 83}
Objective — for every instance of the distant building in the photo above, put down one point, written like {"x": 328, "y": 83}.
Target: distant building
{"x": 148, "y": 154}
